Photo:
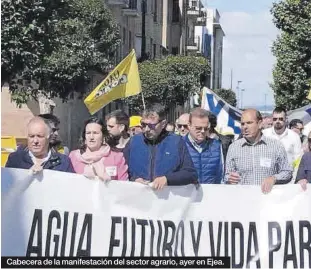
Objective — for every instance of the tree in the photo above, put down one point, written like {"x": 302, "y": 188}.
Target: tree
{"x": 169, "y": 81}
{"x": 51, "y": 46}
{"x": 228, "y": 95}
{"x": 292, "y": 49}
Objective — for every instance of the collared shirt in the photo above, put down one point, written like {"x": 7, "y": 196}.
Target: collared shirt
{"x": 33, "y": 158}
{"x": 256, "y": 162}
{"x": 291, "y": 142}
{"x": 198, "y": 147}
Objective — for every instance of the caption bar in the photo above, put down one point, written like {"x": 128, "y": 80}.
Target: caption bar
{"x": 115, "y": 262}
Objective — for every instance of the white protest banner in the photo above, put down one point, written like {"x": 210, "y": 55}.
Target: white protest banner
{"x": 61, "y": 214}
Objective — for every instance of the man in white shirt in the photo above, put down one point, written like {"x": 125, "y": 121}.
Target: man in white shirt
{"x": 289, "y": 139}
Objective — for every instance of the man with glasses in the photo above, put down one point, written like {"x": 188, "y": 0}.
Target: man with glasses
{"x": 183, "y": 124}
{"x": 156, "y": 156}
{"x": 289, "y": 139}
{"x": 205, "y": 152}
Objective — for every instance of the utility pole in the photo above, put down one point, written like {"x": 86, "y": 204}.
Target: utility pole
{"x": 237, "y": 93}
{"x": 231, "y": 76}
{"x": 143, "y": 31}
{"x": 242, "y": 90}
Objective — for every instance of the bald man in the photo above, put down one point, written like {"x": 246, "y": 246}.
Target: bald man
{"x": 256, "y": 159}
{"x": 38, "y": 154}
{"x": 183, "y": 124}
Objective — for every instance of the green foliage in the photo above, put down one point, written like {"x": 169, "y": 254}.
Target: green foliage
{"x": 228, "y": 95}
{"x": 292, "y": 49}
{"x": 50, "y": 46}
{"x": 169, "y": 81}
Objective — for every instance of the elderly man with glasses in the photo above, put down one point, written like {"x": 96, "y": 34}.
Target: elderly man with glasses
{"x": 289, "y": 139}
{"x": 206, "y": 153}
{"x": 156, "y": 156}
{"x": 183, "y": 124}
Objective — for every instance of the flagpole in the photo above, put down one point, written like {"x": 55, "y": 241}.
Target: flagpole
{"x": 142, "y": 97}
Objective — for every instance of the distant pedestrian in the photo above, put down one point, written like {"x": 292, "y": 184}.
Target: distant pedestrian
{"x": 135, "y": 125}
{"x": 183, "y": 124}
{"x": 170, "y": 127}
{"x": 289, "y": 139}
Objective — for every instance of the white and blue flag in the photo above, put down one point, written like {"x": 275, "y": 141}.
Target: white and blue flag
{"x": 228, "y": 117}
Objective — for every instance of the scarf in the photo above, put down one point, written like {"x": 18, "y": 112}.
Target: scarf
{"x": 94, "y": 166}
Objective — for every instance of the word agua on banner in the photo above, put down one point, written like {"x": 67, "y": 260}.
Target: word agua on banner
{"x": 115, "y": 262}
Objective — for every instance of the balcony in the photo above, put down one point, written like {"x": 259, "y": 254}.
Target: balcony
{"x": 193, "y": 44}
{"x": 201, "y": 21}
{"x": 193, "y": 11}
{"x": 119, "y": 3}
{"x": 132, "y": 9}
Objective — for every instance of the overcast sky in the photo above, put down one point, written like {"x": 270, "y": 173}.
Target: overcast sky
{"x": 250, "y": 33}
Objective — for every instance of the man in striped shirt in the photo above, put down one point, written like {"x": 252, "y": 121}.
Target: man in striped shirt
{"x": 256, "y": 159}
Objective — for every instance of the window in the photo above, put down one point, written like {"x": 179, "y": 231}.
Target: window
{"x": 174, "y": 50}
{"x": 133, "y": 4}
{"x": 124, "y": 35}
{"x": 155, "y": 11}
{"x": 176, "y": 11}
{"x": 130, "y": 40}
{"x": 154, "y": 50}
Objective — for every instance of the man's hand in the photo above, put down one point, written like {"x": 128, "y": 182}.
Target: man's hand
{"x": 303, "y": 183}
{"x": 234, "y": 178}
{"x": 159, "y": 183}
{"x": 36, "y": 168}
{"x": 142, "y": 181}
{"x": 267, "y": 184}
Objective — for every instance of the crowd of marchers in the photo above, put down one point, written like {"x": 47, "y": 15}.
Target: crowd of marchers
{"x": 147, "y": 149}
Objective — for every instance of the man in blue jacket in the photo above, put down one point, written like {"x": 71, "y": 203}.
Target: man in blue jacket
{"x": 206, "y": 153}
{"x": 157, "y": 156}
{"x": 38, "y": 155}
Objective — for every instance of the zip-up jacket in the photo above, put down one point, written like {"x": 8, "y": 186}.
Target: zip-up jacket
{"x": 167, "y": 156}
{"x": 57, "y": 161}
{"x": 208, "y": 163}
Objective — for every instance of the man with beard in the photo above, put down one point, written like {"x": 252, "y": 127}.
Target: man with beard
{"x": 289, "y": 139}
{"x": 118, "y": 125}
{"x": 156, "y": 156}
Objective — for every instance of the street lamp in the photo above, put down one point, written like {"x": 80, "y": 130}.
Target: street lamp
{"x": 242, "y": 90}
{"x": 237, "y": 92}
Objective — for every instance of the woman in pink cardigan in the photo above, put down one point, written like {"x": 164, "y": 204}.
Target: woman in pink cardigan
{"x": 95, "y": 159}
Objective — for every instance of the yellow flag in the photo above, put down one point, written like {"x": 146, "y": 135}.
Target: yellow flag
{"x": 122, "y": 82}
{"x": 309, "y": 95}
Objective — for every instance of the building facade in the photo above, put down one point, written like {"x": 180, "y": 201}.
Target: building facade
{"x": 154, "y": 28}
{"x": 210, "y": 35}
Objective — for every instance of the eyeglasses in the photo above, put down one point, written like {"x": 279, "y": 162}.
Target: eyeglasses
{"x": 55, "y": 130}
{"x": 151, "y": 126}
{"x": 205, "y": 129}
{"x": 300, "y": 129}
{"x": 280, "y": 119}
{"x": 182, "y": 125}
